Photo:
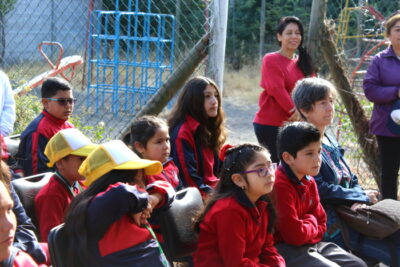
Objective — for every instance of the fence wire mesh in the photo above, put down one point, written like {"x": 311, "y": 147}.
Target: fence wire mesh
{"x": 359, "y": 35}
{"x": 129, "y": 48}
{"x": 102, "y": 32}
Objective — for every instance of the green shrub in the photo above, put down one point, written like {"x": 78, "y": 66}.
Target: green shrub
{"x": 29, "y": 106}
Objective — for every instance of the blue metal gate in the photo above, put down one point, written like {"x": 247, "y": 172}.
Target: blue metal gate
{"x": 130, "y": 54}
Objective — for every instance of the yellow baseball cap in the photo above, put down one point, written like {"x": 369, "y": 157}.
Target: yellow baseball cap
{"x": 67, "y": 142}
{"x": 115, "y": 155}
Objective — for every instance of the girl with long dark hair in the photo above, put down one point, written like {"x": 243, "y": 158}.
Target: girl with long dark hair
{"x": 197, "y": 133}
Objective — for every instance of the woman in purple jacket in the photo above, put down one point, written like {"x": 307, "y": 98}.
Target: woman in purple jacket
{"x": 382, "y": 87}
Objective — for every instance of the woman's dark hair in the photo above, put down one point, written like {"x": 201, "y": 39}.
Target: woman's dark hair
{"x": 237, "y": 160}
{"x": 144, "y": 128}
{"x": 75, "y": 221}
{"x": 304, "y": 63}
{"x": 191, "y": 102}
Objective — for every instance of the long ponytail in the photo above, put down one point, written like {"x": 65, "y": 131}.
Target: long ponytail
{"x": 304, "y": 63}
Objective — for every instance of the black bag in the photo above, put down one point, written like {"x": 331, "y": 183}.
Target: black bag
{"x": 176, "y": 224}
{"x": 377, "y": 221}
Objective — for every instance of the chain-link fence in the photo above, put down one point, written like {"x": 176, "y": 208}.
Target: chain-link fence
{"x": 359, "y": 34}
{"x": 358, "y": 26}
{"x": 130, "y": 47}
{"x": 118, "y": 52}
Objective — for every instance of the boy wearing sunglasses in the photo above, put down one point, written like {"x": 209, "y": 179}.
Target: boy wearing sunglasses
{"x": 58, "y": 103}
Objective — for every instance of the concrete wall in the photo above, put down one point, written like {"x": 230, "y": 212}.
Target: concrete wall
{"x": 34, "y": 21}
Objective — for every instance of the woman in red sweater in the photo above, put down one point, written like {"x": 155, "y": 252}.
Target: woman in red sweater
{"x": 235, "y": 227}
{"x": 280, "y": 71}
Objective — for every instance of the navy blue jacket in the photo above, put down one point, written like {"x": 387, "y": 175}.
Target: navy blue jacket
{"x": 330, "y": 192}
{"x": 114, "y": 240}
{"x": 198, "y": 165}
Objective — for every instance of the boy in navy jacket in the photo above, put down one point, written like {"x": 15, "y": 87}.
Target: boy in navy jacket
{"x": 58, "y": 103}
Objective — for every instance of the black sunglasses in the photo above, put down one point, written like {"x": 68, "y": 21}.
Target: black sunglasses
{"x": 63, "y": 101}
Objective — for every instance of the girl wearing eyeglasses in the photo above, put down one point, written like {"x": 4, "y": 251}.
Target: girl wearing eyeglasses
{"x": 236, "y": 225}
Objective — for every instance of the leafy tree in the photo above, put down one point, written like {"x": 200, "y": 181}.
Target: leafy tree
{"x": 244, "y": 26}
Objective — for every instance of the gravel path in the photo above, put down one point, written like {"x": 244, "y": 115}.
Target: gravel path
{"x": 239, "y": 119}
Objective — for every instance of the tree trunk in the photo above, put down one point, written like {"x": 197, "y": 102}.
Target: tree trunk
{"x": 175, "y": 82}
{"x": 354, "y": 109}
{"x": 216, "y": 60}
{"x": 318, "y": 14}
{"x": 262, "y": 28}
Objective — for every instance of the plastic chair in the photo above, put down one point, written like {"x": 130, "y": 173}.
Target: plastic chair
{"x": 27, "y": 189}
{"x": 57, "y": 246}
{"x": 176, "y": 224}
{"x": 12, "y": 143}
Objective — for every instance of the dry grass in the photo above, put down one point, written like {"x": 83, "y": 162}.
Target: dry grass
{"x": 243, "y": 83}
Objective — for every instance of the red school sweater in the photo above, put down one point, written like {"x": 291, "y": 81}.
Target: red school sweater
{"x": 169, "y": 174}
{"x": 279, "y": 75}
{"x": 301, "y": 217}
{"x": 234, "y": 233}
{"x": 52, "y": 202}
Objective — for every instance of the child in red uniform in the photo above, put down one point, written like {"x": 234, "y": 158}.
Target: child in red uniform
{"x": 65, "y": 150}
{"x": 58, "y": 104}
{"x": 150, "y": 140}
{"x": 235, "y": 227}
{"x": 197, "y": 134}
{"x": 301, "y": 221}
{"x": 106, "y": 224}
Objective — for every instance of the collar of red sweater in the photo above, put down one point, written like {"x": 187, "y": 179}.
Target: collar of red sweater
{"x": 300, "y": 185}
{"x": 192, "y": 123}
{"x": 254, "y": 210}
{"x": 52, "y": 118}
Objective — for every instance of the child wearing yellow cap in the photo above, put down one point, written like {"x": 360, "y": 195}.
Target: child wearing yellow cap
{"x": 107, "y": 224}
{"x": 65, "y": 150}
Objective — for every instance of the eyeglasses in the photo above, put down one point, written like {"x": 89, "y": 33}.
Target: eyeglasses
{"x": 63, "y": 101}
{"x": 263, "y": 172}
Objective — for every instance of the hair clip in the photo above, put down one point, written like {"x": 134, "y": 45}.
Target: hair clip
{"x": 222, "y": 152}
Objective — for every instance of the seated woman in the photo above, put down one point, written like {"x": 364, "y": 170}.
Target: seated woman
{"x": 9, "y": 254}
{"x": 314, "y": 99}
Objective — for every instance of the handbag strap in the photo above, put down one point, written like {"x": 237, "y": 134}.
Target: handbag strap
{"x": 163, "y": 258}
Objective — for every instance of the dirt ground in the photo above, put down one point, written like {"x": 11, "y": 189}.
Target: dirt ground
{"x": 239, "y": 115}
